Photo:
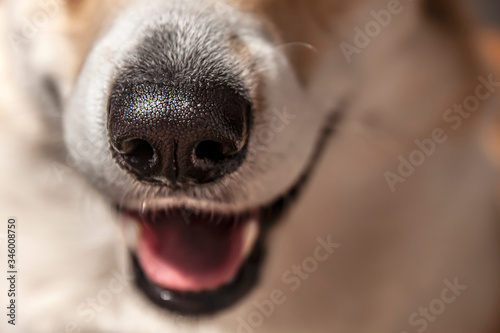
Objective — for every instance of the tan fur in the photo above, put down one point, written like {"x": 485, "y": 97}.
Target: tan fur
{"x": 302, "y": 26}
{"x": 85, "y": 22}
{"x": 307, "y": 28}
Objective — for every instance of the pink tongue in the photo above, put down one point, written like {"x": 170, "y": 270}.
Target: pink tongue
{"x": 189, "y": 257}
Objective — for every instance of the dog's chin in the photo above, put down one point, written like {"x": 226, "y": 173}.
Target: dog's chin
{"x": 195, "y": 262}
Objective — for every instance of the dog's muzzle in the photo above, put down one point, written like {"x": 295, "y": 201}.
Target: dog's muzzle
{"x": 181, "y": 133}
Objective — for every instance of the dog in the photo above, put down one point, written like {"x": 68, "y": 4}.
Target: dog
{"x": 250, "y": 166}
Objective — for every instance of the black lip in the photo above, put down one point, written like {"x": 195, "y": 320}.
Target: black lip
{"x": 205, "y": 302}
{"x": 211, "y": 302}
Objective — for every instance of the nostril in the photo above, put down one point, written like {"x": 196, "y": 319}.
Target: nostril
{"x": 211, "y": 151}
{"x": 138, "y": 153}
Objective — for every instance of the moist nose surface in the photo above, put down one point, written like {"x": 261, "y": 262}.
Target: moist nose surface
{"x": 187, "y": 133}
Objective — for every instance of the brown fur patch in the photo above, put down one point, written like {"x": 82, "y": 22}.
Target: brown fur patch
{"x": 85, "y": 21}
{"x": 304, "y": 28}
{"x": 299, "y": 23}
{"x": 255, "y": 82}
{"x": 490, "y": 47}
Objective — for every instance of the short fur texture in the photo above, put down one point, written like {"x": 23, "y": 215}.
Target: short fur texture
{"x": 396, "y": 248}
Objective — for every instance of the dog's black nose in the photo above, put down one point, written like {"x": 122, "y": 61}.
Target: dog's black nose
{"x": 187, "y": 133}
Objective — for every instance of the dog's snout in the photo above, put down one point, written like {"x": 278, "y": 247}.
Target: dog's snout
{"x": 187, "y": 133}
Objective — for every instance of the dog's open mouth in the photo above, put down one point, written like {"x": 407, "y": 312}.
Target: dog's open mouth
{"x": 196, "y": 263}
{"x": 181, "y": 250}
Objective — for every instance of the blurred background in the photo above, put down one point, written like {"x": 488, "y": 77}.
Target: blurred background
{"x": 489, "y": 10}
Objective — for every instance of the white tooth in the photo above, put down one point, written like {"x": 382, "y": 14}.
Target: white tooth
{"x": 130, "y": 231}
{"x": 165, "y": 295}
{"x": 250, "y": 235}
